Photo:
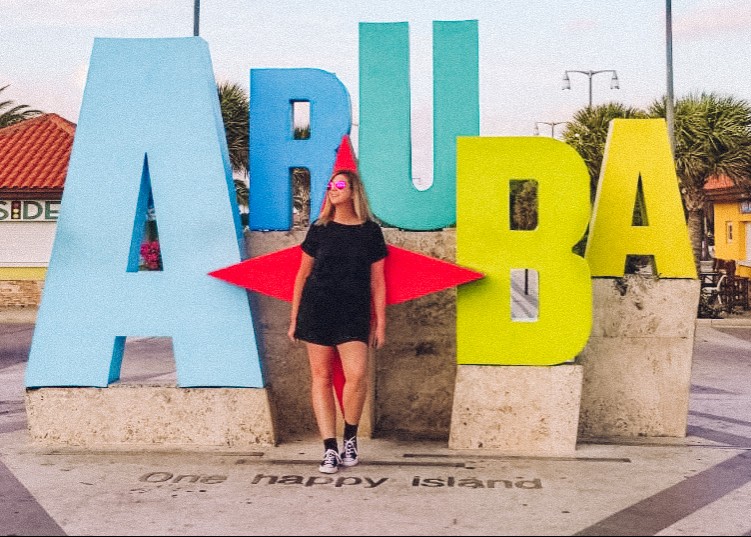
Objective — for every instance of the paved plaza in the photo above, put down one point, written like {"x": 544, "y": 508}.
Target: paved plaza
{"x": 698, "y": 485}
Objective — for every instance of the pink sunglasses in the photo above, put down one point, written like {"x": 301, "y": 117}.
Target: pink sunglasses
{"x": 340, "y": 185}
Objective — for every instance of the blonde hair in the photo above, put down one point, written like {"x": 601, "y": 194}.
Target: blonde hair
{"x": 359, "y": 199}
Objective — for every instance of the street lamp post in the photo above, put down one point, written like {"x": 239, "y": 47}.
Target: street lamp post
{"x": 669, "y": 99}
{"x": 613, "y": 81}
{"x": 552, "y": 126}
{"x": 196, "y": 16}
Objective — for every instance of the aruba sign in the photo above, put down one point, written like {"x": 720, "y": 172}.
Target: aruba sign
{"x": 150, "y": 122}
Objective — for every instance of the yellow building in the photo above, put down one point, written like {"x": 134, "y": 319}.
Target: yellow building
{"x": 730, "y": 218}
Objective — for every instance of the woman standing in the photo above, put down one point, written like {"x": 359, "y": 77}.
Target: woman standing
{"x": 339, "y": 304}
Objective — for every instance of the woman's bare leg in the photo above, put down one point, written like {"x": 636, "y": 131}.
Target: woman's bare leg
{"x": 354, "y": 356}
{"x": 322, "y": 393}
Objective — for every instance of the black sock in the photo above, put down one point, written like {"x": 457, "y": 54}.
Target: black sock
{"x": 330, "y": 443}
{"x": 350, "y": 431}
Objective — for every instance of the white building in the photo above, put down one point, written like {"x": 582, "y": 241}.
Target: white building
{"x": 34, "y": 157}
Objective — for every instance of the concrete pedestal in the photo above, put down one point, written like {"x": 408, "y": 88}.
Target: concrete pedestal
{"x": 412, "y": 382}
{"x": 518, "y": 410}
{"x": 150, "y": 416}
{"x": 637, "y": 363}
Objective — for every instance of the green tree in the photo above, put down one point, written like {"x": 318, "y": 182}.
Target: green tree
{"x": 712, "y": 137}
{"x": 524, "y": 205}
{"x": 235, "y": 105}
{"x": 301, "y": 184}
{"x": 11, "y": 113}
{"x": 301, "y": 196}
{"x": 587, "y": 132}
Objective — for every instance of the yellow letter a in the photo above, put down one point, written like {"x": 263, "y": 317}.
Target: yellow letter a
{"x": 639, "y": 148}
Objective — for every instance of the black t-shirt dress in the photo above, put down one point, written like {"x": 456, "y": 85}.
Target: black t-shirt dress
{"x": 335, "y": 303}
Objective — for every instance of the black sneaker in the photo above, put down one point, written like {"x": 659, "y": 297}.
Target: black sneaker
{"x": 331, "y": 462}
{"x": 349, "y": 456}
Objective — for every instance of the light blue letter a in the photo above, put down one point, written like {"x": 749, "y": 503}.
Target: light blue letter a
{"x": 150, "y": 117}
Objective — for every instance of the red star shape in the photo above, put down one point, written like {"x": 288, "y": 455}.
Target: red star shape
{"x": 409, "y": 275}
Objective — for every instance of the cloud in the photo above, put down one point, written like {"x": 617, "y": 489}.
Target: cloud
{"x": 713, "y": 19}
{"x": 581, "y": 25}
{"x": 80, "y": 75}
{"x": 52, "y": 13}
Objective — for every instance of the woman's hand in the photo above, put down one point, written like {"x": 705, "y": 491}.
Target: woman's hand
{"x": 378, "y": 336}
{"x": 378, "y": 304}
{"x": 306, "y": 266}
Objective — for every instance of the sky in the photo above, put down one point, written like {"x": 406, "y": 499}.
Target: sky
{"x": 524, "y": 46}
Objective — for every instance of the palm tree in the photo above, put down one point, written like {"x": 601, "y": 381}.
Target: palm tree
{"x": 524, "y": 206}
{"x": 587, "y": 132}
{"x": 11, "y": 113}
{"x": 234, "y": 104}
{"x": 301, "y": 196}
{"x": 712, "y": 137}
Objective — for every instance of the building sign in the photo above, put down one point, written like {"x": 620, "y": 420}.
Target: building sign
{"x": 29, "y": 210}
{"x": 746, "y": 207}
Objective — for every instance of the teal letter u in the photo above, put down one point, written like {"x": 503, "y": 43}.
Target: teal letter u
{"x": 385, "y": 134}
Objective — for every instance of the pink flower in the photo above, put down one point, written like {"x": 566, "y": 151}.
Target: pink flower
{"x": 152, "y": 255}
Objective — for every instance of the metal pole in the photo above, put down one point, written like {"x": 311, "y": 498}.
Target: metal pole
{"x": 669, "y": 100}
{"x": 196, "y": 16}
{"x": 590, "y": 75}
{"x": 526, "y": 281}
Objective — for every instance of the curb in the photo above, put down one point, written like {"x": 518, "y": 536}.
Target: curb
{"x": 739, "y": 322}
{"x": 19, "y": 315}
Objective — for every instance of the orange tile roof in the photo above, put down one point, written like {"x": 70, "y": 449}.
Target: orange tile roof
{"x": 715, "y": 182}
{"x": 34, "y": 153}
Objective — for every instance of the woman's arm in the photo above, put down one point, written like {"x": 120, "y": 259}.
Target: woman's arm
{"x": 306, "y": 265}
{"x": 378, "y": 293}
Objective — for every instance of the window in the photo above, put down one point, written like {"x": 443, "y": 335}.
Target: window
{"x": 300, "y": 120}
{"x": 729, "y": 231}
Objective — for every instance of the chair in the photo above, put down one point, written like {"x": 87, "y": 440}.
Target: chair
{"x": 709, "y": 279}
{"x": 725, "y": 265}
{"x": 715, "y": 291}
{"x": 738, "y": 293}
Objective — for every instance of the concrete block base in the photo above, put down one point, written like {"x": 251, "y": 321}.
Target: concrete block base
{"x": 517, "y": 410}
{"x": 635, "y": 387}
{"x": 637, "y": 363}
{"x": 150, "y": 416}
